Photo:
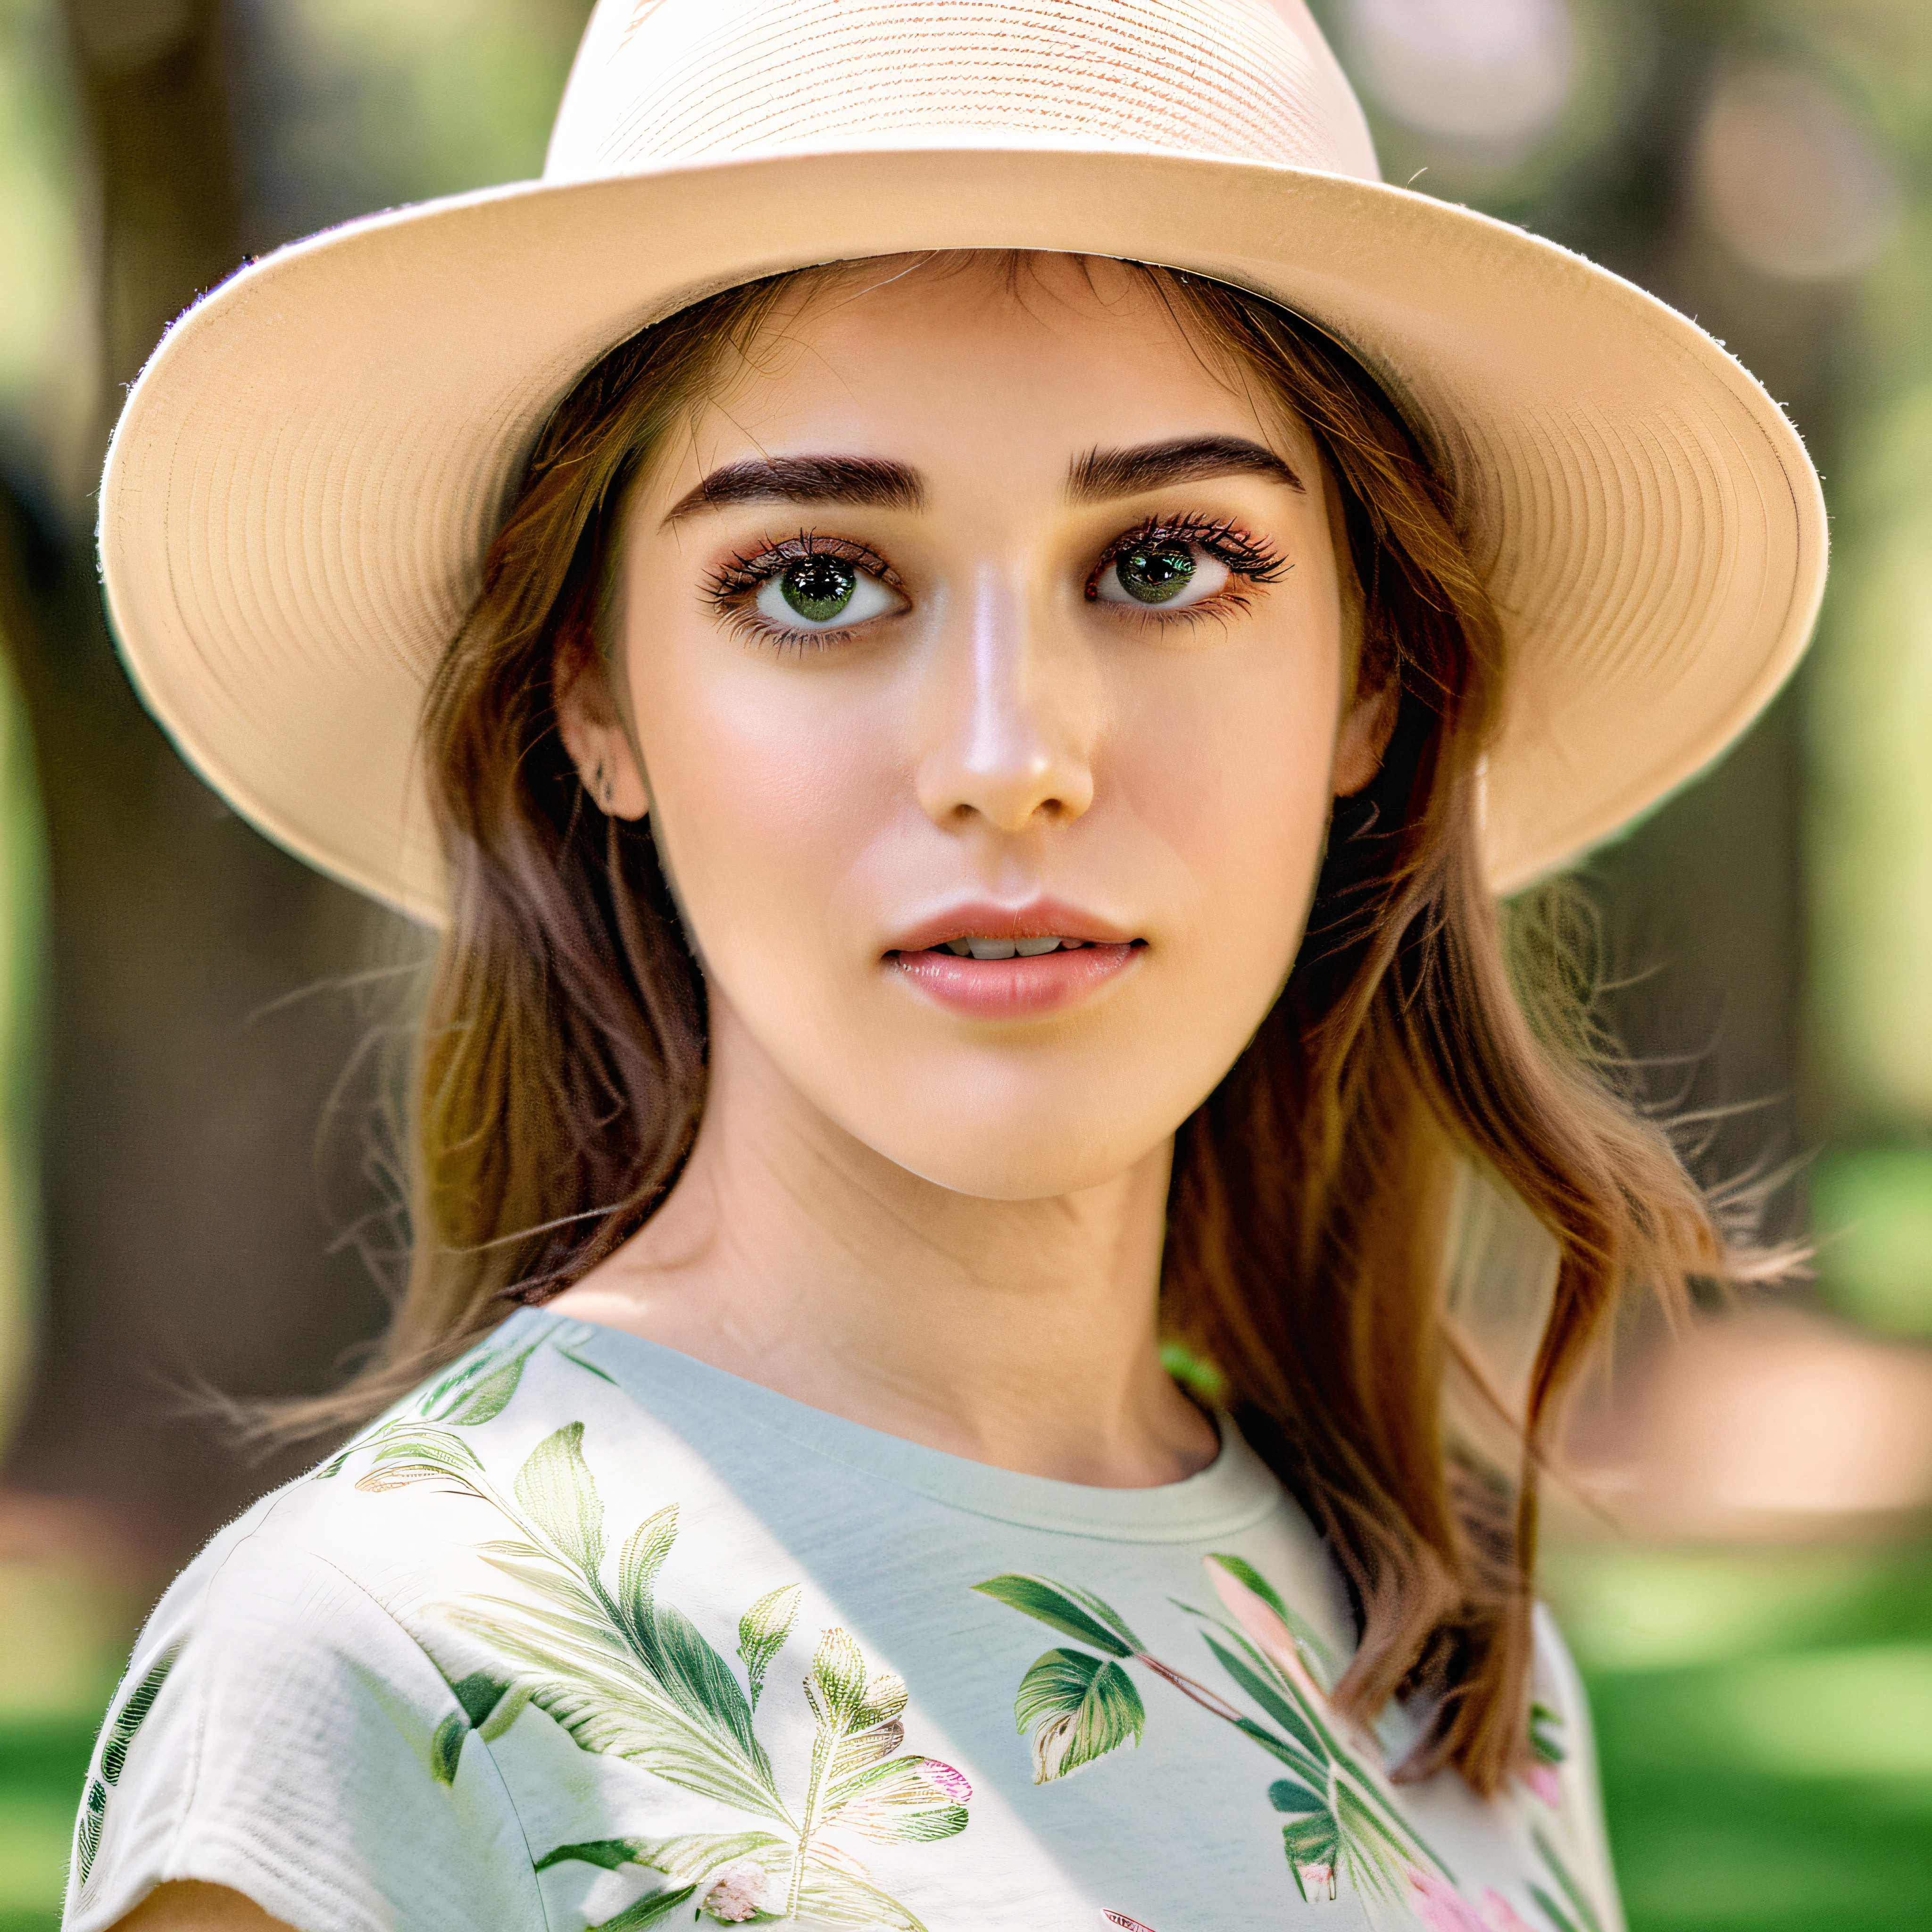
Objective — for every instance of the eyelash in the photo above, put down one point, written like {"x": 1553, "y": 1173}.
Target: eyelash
{"x": 1247, "y": 560}
{"x": 731, "y": 587}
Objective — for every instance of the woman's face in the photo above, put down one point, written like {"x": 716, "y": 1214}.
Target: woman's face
{"x": 965, "y": 621}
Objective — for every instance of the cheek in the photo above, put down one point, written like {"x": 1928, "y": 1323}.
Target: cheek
{"x": 1234, "y": 781}
{"x": 766, "y": 802}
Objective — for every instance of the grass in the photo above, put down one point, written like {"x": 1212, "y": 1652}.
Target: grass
{"x": 1764, "y": 1726}
{"x": 62, "y": 1654}
{"x": 1764, "y": 1720}
{"x": 42, "y": 1762}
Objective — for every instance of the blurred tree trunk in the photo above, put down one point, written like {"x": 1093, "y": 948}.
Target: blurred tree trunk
{"x": 1704, "y": 901}
{"x": 183, "y": 1231}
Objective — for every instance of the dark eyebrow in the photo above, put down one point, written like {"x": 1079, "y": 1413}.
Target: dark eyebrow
{"x": 875, "y": 481}
{"x": 1103, "y": 474}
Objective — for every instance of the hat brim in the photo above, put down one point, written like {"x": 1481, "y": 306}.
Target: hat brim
{"x": 304, "y": 481}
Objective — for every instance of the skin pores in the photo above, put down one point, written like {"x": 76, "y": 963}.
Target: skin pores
{"x": 913, "y": 667}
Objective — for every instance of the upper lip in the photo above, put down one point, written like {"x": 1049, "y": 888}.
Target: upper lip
{"x": 1037, "y": 918}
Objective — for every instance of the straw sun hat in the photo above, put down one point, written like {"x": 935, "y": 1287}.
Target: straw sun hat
{"x": 303, "y": 484}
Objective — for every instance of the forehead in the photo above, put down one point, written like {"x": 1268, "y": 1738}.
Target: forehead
{"x": 969, "y": 354}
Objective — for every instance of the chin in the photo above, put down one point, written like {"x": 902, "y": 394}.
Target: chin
{"x": 991, "y": 1155}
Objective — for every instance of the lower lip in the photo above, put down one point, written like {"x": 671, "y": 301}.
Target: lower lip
{"x": 1016, "y": 988}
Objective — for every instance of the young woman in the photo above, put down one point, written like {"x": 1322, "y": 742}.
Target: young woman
{"x": 964, "y": 776}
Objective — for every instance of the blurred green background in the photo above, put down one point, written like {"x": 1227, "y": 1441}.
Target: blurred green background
{"x": 188, "y": 1194}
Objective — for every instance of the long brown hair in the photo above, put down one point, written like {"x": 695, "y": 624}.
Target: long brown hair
{"x": 561, "y": 1067}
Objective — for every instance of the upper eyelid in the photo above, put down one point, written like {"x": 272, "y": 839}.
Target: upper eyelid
{"x": 748, "y": 567}
{"x": 742, "y": 570}
{"x": 1193, "y": 526}
{"x": 1267, "y": 560}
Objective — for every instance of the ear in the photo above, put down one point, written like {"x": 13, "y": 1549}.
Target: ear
{"x": 594, "y": 732}
{"x": 1366, "y": 726}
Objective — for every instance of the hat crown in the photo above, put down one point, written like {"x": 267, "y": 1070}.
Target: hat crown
{"x": 659, "y": 81}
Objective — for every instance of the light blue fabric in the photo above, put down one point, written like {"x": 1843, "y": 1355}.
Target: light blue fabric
{"x": 588, "y": 1633}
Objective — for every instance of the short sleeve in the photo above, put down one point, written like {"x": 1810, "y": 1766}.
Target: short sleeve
{"x": 278, "y": 1732}
{"x": 1561, "y": 1726}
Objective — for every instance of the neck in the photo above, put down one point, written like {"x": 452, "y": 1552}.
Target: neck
{"x": 1021, "y": 1333}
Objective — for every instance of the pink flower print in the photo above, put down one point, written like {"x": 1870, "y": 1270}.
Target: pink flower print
{"x": 1276, "y": 1642}
{"x": 1443, "y": 1908}
{"x": 1318, "y": 1882}
{"x": 953, "y": 1785}
{"x": 1503, "y": 1915}
{"x": 1271, "y": 1635}
{"x": 737, "y": 1896}
{"x": 1541, "y": 1779}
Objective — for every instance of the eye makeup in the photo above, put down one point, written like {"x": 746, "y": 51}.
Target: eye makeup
{"x": 737, "y": 588}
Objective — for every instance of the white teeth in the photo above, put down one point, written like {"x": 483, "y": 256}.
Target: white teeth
{"x": 976, "y": 946}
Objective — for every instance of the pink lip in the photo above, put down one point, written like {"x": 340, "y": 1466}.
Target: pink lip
{"x": 1016, "y": 988}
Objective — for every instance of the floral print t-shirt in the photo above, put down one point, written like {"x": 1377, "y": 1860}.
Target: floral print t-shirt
{"x": 588, "y": 1634}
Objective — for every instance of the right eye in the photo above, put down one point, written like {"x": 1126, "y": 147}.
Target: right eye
{"x": 822, "y": 593}
{"x": 1170, "y": 572}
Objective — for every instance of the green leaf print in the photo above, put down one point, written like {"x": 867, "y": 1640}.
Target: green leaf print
{"x": 479, "y": 1392}
{"x": 762, "y": 1632}
{"x": 490, "y": 1705}
{"x": 446, "y": 1748}
{"x": 584, "y": 1673}
{"x": 118, "y": 1735}
{"x": 1312, "y": 1845}
{"x": 1251, "y": 1580}
{"x": 829, "y": 1897}
{"x": 644, "y": 1555}
{"x": 840, "y": 1693}
{"x": 411, "y": 1454}
{"x": 1579, "y": 1899}
{"x": 1251, "y": 1674}
{"x": 1079, "y": 1709}
{"x": 476, "y": 1390}
{"x": 626, "y": 1673}
{"x": 611, "y": 1853}
{"x": 706, "y": 1855}
{"x": 650, "y": 1910}
{"x": 588, "y": 1368}
{"x": 1074, "y": 1613}
{"x": 133, "y": 1714}
{"x": 1553, "y": 1912}
{"x": 556, "y": 1486}
{"x": 1544, "y": 1723}
{"x": 906, "y": 1801}
{"x": 1341, "y": 1820}
{"x": 1285, "y": 1795}
{"x": 479, "y": 1694}
{"x": 88, "y": 1830}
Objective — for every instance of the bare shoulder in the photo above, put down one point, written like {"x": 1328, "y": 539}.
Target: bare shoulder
{"x": 188, "y": 1906}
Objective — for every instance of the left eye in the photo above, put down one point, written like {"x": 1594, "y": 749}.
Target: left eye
{"x": 1166, "y": 573}
{"x": 822, "y": 593}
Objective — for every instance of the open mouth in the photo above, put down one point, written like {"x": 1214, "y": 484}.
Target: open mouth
{"x": 1013, "y": 975}
{"x": 976, "y": 946}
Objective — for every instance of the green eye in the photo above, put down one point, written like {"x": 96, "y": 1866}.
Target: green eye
{"x": 819, "y": 588}
{"x": 1156, "y": 573}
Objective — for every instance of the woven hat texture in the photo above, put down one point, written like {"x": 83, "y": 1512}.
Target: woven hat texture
{"x": 305, "y": 479}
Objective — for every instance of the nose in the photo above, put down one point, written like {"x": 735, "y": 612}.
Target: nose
{"x": 1010, "y": 713}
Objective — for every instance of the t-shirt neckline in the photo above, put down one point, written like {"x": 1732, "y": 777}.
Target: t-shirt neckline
{"x": 1232, "y": 1492}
